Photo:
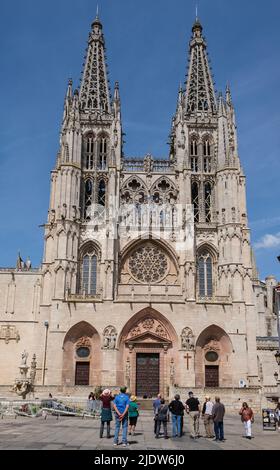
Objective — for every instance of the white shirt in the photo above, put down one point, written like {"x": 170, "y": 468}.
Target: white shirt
{"x": 209, "y": 407}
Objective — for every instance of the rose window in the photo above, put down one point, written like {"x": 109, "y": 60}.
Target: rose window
{"x": 148, "y": 264}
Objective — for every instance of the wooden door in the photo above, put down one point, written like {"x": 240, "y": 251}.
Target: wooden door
{"x": 82, "y": 373}
{"x": 211, "y": 376}
{"x": 147, "y": 375}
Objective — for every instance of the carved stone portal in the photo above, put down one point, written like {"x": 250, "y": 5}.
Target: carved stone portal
{"x": 150, "y": 325}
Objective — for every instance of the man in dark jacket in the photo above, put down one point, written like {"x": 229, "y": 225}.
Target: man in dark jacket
{"x": 177, "y": 409}
{"x": 218, "y": 413}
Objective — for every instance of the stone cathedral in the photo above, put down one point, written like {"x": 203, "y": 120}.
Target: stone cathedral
{"x": 148, "y": 277}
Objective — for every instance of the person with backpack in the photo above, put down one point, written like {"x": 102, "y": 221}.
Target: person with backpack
{"x": 247, "y": 418}
{"x": 162, "y": 416}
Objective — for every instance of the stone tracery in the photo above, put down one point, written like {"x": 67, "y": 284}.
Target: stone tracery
{"x": 148, "y": 264}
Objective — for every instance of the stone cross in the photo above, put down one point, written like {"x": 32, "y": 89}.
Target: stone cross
{"x": 188, "y": 357}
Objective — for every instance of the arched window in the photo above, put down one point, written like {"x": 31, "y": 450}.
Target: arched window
{"x": 88, "y": 199}
{"x": 194, "y": 156}
{"x": 103, "y": 151}
{"x": 102, "y": 193}
{"x": 89, "y": 152}
{"x": 88, "y": 274}
{"x": 207, "y": 156}
{"x": 195, "y": 200}
{"x": 205, "y": 275}
{"x": 208, "y": 201}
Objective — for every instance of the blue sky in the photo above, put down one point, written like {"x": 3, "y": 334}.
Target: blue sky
{"x": 42, "y": 44}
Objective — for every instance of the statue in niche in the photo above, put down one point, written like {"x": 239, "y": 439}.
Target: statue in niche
{"x": 187, "y": 339}
{"x": 109, "y": 338}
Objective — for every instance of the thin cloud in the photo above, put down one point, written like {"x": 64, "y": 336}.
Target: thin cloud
{"x": 268, "y": 241}
{"x": 265, "y": 223}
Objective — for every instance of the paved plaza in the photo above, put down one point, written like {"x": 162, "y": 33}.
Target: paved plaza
{"x": 83, "y": 434}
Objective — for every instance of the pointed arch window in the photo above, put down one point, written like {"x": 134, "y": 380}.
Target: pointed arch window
{"x": 89, "y": 152}
{"x": 88, "y": 274}
{"x": 195, "y": 200}
{"x": 194, "y": 156}
{"x": 208, "y": 202}
{"x": 207, "y": 164}
{"x": 205, "y": 275}
{"x": 103, "y": 153}
{"x": 88, "y": 199}
{"x": 102, "y": 193}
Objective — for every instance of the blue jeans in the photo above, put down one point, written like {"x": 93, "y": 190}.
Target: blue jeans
{"x": 219, "y": 430}
{"x": 176, "y": 425}
{"x": 124, "y": 424}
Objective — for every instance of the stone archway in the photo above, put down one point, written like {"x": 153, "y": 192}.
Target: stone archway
{"x": 81, "y": 356}
{"x": 148, "y": 350}
{"x": 213, "y": 358}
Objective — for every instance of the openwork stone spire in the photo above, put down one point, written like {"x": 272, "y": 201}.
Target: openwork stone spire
{"x": 94, "y": 93}
{"x": 200, "y": 94}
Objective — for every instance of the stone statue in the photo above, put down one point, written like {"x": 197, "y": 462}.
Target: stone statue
{"x": 148, "y": 163}
{"x": 33, "y": 369}
{"x": 28, "y": 264}
{"x": 113, "y": 340}
{"x": 127, "y": 369}
{"x": 172, "y": 370}
{"x": 109, "y": 338}
{"x": 24, "y": 357}
{"x": 187, "y": 339}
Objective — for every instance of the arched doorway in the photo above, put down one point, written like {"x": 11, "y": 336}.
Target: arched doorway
{"x": 213, "y": 358}
{"x": 147, "y": 354}
{"x": 81, "y": 356}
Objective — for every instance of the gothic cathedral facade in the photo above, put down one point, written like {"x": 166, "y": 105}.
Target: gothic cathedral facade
{"x": 148, "y": 277}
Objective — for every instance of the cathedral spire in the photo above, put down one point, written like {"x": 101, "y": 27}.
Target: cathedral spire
{"x": 200, "y": 93}
{"x": 94, "y": 92}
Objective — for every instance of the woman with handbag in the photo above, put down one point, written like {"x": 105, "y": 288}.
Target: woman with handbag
{"x": 247, "y": 418}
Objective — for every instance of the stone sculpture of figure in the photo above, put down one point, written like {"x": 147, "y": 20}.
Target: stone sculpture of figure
{"x": 187, "y": 341}
{"x": 24, "y": 357}
{"x": 113, "y": 341}
{"x": 33, "y": 369}
{"x": 106, "y": 341}
{"x": 127, "y": 369}
{"x": 109, "y": 338}
{"x": 148, "y": 164}
{"x": 74, "y": 212}
{"x": 28, "y": 264}
{"x": 64, "y": 211}
{"x": 172, "y": 370}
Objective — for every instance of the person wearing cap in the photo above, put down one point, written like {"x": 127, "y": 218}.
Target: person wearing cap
{"x": 133, "y": 413}
{"x": 106, "y": 412}
{"x": 193, "y": 409}
{"x": 207, "y": 416}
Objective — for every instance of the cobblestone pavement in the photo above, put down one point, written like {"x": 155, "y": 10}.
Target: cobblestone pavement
{"x": 83, "y": 434}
